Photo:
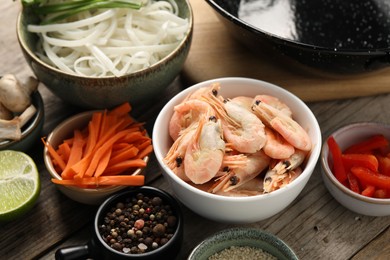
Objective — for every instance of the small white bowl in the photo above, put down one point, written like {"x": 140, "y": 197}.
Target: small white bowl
{"x": 345, "y": 137}
{"x": 237, "y": 209}
{"x": 63, "y": 131}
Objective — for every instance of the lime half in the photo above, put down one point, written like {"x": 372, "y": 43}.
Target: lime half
{"x": 19, "y": 184}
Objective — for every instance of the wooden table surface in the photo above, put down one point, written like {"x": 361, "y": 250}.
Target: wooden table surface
{"x": 315, "y": 226}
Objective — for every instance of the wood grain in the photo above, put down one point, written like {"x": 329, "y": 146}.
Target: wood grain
{"x": 315, "y": 225}
{"x": 215, "y": 53}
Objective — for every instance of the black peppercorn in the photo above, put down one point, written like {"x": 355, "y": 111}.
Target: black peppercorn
{"x": 159, "y": 230}
{"x": 171, "y": 220}
{"x": 156, "y": 201}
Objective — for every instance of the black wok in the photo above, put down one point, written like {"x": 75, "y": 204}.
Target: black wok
{"x": 337, "y": 36}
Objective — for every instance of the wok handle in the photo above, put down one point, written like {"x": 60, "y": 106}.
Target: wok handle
{"x": 72, "y": 253}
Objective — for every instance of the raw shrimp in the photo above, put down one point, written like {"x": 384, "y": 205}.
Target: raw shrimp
{"x": 275, "y": 102}
{"x": 252, "y": 187}
{"x": 232, "y": 161}
{"x": 276, "y": 147}
{"x": 282, "y": 180}
{"x": 281, "y": 170}
{"x": 257, "y": 162}
{"x": 187, "y": 113}
{"x": 200, "y": 92}
{"x": 291, "y": 175}
{"x": 175, "y": 156}
{"x": 243, "y": 101}
{"x": 241, "y": 128}
{"x": 204, "y": 154}
{"x": 284, "y": 125}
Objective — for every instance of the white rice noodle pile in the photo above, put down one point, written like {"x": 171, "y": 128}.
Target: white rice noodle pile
{"x": 112, "y": 42}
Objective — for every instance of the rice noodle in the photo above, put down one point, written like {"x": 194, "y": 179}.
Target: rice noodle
{"x": 112, "y": 42}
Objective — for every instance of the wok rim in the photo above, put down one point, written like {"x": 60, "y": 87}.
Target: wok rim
{"x": 296, "y": 44}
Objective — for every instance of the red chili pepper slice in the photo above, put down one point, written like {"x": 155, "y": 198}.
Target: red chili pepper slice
{"x": 364, "y": 160}
{"x": 369, "y": 191}
{"x": 353, "y": 182}
{"x": 367, "y": 146}
{"x": 338, "y": 167}
{"x": 383, "y": 164}
{"x": 369, "y": 177}
{"x": 382, "y": 193}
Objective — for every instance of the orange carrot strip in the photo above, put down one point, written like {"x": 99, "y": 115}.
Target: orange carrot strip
{"x": 64, "y": 151}
{"x": 104, "y": 148}
{"x": 86, "y": 163}
{"x": 103, "y": 123}
{"x": 146, "y": 151}
{"x": 81, "y": 166}
{"x": 118, "y": 148}
{"x": 121, "y": 110}
{"x": 125, "y": 154}
{"x": 132, "y": 137}
{"x": 53, "y": 153}
{"x": 123, "y": 166}
{"x": 124, "y": 180}
{"x": 69, "y": 141}
{"x": 93, "y": 131}
{"x": 137, "y": 126}
{"x": 127, "y": 122}
{"x": 144, "y": 144}
{"x": 109, "y": 132}
{"x": 76, "y": 153}
{"x": 102, "y": 164}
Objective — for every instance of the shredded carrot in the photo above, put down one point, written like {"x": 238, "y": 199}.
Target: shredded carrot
{"x": 121, "y": 148}
{"x": 93, "y": 134}
{"x": 103, "y": 149}
{"x": 121, "y": 110}
{"x": 142, "y": 145}
{"x": 124, "y": 180}
{"x": 69, "y": 141}
{"x": 125, "y": 165}
{"x": 102, "y": 164}
{"x": 76, "y": 153}
{"x": 79, "y": 168}
{"x": 147, "y": 150}
{"x": 124, "y": 154}
{"x": 64, "y": 151}
{"x": 112, "y": 143}
{"x": 53, "y": 153}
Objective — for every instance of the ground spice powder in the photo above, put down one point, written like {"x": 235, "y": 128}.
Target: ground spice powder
{"x": 242, "y": 253}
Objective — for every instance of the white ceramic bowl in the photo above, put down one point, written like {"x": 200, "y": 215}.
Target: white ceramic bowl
{"x": 237, "y": 209}
{"x": 56, "y": 137}
{"x": 345, "y": 137}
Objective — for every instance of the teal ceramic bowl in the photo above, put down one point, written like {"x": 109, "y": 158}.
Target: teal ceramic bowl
{"x": 31, "y": 132}
{"x": 240, "y": 237}
{"x": 110, "y": 91}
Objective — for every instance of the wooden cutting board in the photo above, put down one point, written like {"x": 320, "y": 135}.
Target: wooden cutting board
{"x": 215, "y": 53}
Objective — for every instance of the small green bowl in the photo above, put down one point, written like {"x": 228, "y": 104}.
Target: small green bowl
{"x": 243, "y": 237}
{"x": 31, "y": 132}
{"x": 110, "y": 91}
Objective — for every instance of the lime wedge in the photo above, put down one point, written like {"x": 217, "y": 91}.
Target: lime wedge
{"x": 19, "y": 184}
